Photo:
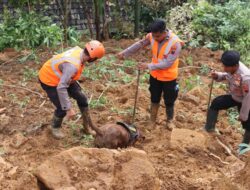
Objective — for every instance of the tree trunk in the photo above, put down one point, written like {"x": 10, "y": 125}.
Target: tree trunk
{"x": 87, "y": 15}
{"x": 67, "y": 8}
{"x": 106, "y": 18}
{"x": 64, "y": 7}
{"x": 137, "y": 18}
{"x": 97, "y": 20}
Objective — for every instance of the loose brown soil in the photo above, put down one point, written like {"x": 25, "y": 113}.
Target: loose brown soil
{"x": 185, "y": 159}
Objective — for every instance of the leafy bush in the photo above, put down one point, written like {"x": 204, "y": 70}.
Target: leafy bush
{"x": 223, "y": 27}
{"x": 30, "y": 30}
{"x": 220, "y": 25}
{"x": 152, "y": 9}
{"x": 179, "y": 20}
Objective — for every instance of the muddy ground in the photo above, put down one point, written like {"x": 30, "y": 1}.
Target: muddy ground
{"x": 25, "y": 114}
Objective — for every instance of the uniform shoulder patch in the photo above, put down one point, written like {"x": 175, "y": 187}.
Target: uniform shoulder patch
{"x": 245, "y": 87}
{"x": 173, "y": 49}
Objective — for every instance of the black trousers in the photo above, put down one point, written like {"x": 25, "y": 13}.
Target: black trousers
{"x": 226, "y": 101}
{"x": 169, "y": 89}
{"x": 74, "y": 92}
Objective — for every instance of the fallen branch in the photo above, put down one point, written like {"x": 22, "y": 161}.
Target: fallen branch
{"x": 2, "y": 64}
{"x": 119, "y": 65}
{"x": 190, "y": 67}
{"x": 23, "y": 88}
{"x": 90, "y": 99}
{"x": 215, "y": 156}
{"x": 103, "y": 92}
{"x": 42, "y": 104}
{"x": 228, "y": 150}
{"x": 78, "y": 117}
{"x": 2, "y": 110}
{"x": 36, "y": 128}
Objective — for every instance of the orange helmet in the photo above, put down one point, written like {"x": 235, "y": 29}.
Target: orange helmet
{"x": 95, "y": 49}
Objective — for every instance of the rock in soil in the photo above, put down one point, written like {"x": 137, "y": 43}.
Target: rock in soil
{"x": 18, "y": 140}
{"x": 82, "y": 168}
{"x": 192, "y": 99}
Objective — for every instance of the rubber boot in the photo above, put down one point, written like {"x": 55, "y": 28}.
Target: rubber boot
{"x": 245, "y": 140}
{"x": 246, "y": 137}
{"x": 153, "y": 112}
{"x": 87, "y": 121}
{"x": 170, "y": 116}
{"x": 212, "y": 116}
{"x": 56, "y": 127}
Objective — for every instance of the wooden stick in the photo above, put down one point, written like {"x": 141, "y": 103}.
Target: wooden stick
{"x": 36, "y": 128}
{"x": 211, "y": 154}
{"x": 2, "y": 110}
{"x": 2, "y": 64}
{"x": 119, "y": 65}
{"x": 78, "y": 117}
{"x": 190, "y": 67}
{"x": 42, "y": 104}
{"x": 210, "y": 94}
{"x": 90, "y": 99}
{"x": 225, "y": 147}
{"x": 23, "y": 88}
{"x": 136, "y": 95}
{"x": 103, "y": 93}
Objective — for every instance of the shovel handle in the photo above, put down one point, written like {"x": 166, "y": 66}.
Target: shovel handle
{"x": 210, "y": 94}
{"x": 136, "y": 95}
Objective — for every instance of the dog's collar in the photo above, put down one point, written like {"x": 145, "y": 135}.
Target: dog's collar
{"x": 133, "y": 132}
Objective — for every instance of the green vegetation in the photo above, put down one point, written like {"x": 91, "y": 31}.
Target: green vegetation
{"x": 189, "y": 60}
{"x": 32, "y": 30}
{"x": 233, "y": 116}
{"x": 30, "y": 57}
{"x": 223, "y": 26}
{"x": 190, "y": 83}
{"x": 213, "y": 25}
{"x": 108, "y": 69}
{"x": 204, "y": 69}
{"x": 29, "y": 74}
{"x": 77, "y": 136}
{"x": 100, "y": 102}
{"x": 21, "y": 103}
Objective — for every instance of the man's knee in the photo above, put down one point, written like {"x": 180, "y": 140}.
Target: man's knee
{"x": 170, "y": 100}
{"x": 169, "y": 104}
{"x": 82, "y": 100}
{"x": 215, "y": 105}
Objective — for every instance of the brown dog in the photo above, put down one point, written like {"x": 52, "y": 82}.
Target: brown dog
{"x": 119, "y": 135}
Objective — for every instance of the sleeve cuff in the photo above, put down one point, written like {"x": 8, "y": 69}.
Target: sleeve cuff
{"x": 243, "y": 117}
{"x": 151, "y": 66}
{"x": 66, "y": 107}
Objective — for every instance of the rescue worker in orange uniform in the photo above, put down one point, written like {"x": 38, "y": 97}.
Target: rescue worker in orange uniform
{"x": 166, "y": 47}
{"x": 58, "y": 77}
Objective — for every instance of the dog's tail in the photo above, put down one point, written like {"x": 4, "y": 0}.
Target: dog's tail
{"x": 95, "y": 128}
{"x": 87, "y": 119}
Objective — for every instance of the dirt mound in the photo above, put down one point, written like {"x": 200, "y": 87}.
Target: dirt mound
{"x": 181, "y": 138}
{"x": 14, "y": 178}
{"x": 81, "y": 168}
{"x": 243, "y": 176}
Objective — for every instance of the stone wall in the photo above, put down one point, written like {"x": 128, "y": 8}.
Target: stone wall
{"x": 77, "y": 17}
